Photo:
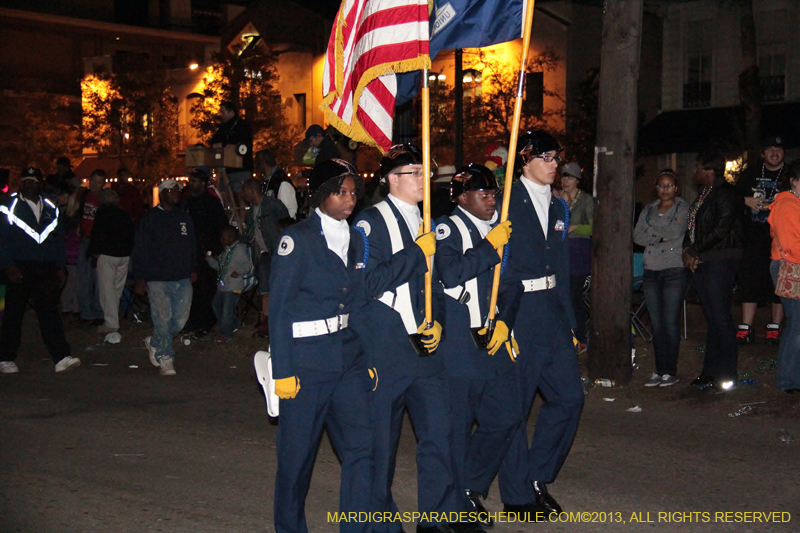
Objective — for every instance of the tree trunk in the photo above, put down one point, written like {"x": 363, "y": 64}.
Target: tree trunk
{"x": 750, "y": 83}
{"x": 610, "y": 346}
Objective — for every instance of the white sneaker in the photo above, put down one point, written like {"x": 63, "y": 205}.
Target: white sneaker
{"x": 151, "y": 351}
{"x": 8, "y": 367}
{"x": 654, "y": 381}
{"x": 167, "y": 368}
{"x": 668, "y": 380}
{"x": 68, "y": 363}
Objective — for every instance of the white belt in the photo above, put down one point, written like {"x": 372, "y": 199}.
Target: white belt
{"x": 539, "y": 284}
{"x": 314, "y": 328}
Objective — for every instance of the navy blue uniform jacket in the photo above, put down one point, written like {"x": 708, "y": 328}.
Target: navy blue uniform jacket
{"x": 532, "y": 256}
{"x": 310, "y": 282}
{"x": 389, "y": 348}
{"x": 453, "y": 267}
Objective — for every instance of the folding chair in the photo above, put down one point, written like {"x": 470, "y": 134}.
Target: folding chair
{"x": 639, "y": 308}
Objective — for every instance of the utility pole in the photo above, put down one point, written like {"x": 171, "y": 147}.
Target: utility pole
{"x": 459, "y": 108}
{"x": 610, "y": 346}
{"x": 750, "y": 83}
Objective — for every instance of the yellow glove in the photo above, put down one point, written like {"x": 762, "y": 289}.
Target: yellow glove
{"x": 287, "y": 388}
{"x": 427, "y": 243}
{"x": 513, "y": 348}
{"x": 575, "y": 341}
{"x": 500, "y": 234}
{"x": 499, "y": 337}
{"x": 432, "y": 336}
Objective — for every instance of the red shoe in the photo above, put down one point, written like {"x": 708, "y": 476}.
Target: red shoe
{"x": 744, "y": 335}
{"x": 773, "y": 335}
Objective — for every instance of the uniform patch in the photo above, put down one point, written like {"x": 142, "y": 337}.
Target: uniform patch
{"x": 286, "y": 245}
{"x": 559, "y": 225}
{"x": 442, "y": 232}
{"x": 363, "y": 224}
{"x": 184, "y": 229}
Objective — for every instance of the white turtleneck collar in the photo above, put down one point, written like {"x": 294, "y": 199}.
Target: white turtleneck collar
{"x": 410, "y": 214}
{"x": 540, "y": 196}
{"x": 484, "y": 226}
{"x": 337, "y": 234}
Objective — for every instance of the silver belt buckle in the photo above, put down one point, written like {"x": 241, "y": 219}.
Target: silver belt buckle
{"x": 547, "y": 282}
{"x": 339, "y": 320}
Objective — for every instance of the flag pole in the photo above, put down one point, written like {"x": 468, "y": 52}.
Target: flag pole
{"x": 426, "y": 199}
{"x": 512, "y": 152}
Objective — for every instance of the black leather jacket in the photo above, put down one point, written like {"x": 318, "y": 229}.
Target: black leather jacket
{"x": 719, "y": 225}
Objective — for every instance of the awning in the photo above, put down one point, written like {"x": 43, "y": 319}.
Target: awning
{"x": 715, "y": 128}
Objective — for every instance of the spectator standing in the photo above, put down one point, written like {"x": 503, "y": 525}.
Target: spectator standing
{"x": 111, "y": 245}
{"x": 163, "y": 260}
{"x": 234, "y": 130}
{"x": 275, "y": 181}
{"x": 208, "y": 218}
{"x": 231, "y": 265}
{"x": 784, "y": 219}
{"x": 130, "y": 197}
{"x": 315, "y": 148}
{"x": 261, "y": 234}
{"x": 758, "y": 185}
{"x": 712, "y": 250}
{"x": 87, "y": 290}
{"x": 579, "y": 236}
{"x": 69, "y": 219}
{"x": 32, "y": 259}
{"x": 661, "y": 229}
{"x": 63, "y": 180}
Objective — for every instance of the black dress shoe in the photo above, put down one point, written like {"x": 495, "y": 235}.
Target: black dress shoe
{"x": 480, "y": 511}
{"x": 543, "y": 499}
{"x": 530, "y": 512}
{"x": 791, "y": 391}
{"x": 702, "y": 382}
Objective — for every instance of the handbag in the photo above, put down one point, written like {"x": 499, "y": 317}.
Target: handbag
{"x": 788, "y": 284}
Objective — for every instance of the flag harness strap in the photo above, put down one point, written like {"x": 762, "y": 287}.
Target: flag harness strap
{"x": 468, "y": 294}
{"x": 400, "y": 300}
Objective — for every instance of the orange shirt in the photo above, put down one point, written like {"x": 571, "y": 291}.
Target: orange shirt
{"x": 784, "y": 221}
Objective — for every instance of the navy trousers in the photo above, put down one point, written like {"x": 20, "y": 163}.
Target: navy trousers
{"x": 427, "y": 403}
{"x": 495, "y": 405}
{"x": 547, "y": 363}
{"x": 335, "y": 401}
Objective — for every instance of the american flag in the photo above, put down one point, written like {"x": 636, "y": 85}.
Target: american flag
{"x": 371, "y": 41}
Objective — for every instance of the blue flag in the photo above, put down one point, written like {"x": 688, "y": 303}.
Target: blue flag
{"x": 466, "y": 24}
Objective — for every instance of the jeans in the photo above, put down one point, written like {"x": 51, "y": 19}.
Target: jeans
{"x": 225, "y": 303}
{"x": 714, "y": 282}
{"x": 86, "y": 288}
{"x": 664, "y": 291}
{"x": 788, "y": 371}
{"x": 170, "y": 302}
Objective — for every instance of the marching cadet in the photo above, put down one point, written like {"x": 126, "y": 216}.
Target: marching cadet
{"x": 406, "y": 374}
{"x": 482, "y": 385}
{"x": 317, "y": 281}
{"x": 534, "y": 301}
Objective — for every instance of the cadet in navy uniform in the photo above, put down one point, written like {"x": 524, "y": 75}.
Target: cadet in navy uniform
{"x": 535, "y": 303}
{"x": 405, "y": 380}
{"x": 482, "y": 385}
{"x": 317, "y": 280}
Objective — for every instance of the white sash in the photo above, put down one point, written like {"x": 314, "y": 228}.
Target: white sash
{"x": 473, "y": 300}
{"x": 400, "y": 300}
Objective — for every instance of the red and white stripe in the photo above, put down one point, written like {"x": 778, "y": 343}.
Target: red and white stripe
{"x": 378, "y": 38}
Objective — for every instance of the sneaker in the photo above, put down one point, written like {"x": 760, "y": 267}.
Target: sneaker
{"x": 8, "y": 367}
{"x": 654, "y": 381}
{"x": 744, "y": 335}
{"x": 106, "y": 329}
{"x": 668, "y": 380}
{"x": 151, "y": 351}
{"x": 773, "y": 335}
{"x": 167, "y": 368}
{"x": 68, "y": 363}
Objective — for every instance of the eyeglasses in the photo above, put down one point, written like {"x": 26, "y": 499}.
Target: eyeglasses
{"x": 548, "y": 158}
{"x": 415, "y": 173}
{"x": 666, "y": 186}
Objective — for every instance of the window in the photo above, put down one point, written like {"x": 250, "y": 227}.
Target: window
{"x": 772, "y": 34}
{"x": 472, "y": 81}
{"x": 697, "y": 88}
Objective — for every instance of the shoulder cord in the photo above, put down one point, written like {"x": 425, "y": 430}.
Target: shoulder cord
{"x": 566, "y": 218}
